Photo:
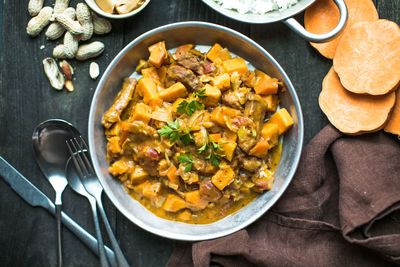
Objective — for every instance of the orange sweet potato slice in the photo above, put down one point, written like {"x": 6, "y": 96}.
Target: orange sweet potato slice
{"x": 352, "y": 113}
{"x": 324, "y": 15}
{"x": 367, "y": 59}
{"x": 393, "y": 125}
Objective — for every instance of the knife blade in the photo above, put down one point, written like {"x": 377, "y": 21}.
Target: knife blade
{"x": 34, "y": 197}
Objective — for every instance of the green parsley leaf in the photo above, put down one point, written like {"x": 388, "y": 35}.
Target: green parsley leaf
{"x": 188, "y": 167}
{"x": 215, "y": 161}
{"x": 165, "y": 131}
{"x": 213, "y": 151}
{"x": 186, "y": 139}
{"x": 186, "y": 159}
{"x": 175, "y": 133}
{"x": 173, "y": 125}
{"x": 183, "y": 158}
{"x": 201, "y": 94}
{"x": 203, "y": 148}
{"x": 182, "y": 107}
{"x": 191, "y": 107}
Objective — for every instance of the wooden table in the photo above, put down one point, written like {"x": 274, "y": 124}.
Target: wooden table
{"x": 28, "y": 235}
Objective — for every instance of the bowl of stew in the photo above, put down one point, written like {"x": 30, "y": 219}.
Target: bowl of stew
{"x": 195, "y": 131}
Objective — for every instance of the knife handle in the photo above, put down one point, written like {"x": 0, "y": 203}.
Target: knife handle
{"x": 85, "y": 237}
{"x": 34, "y": 197}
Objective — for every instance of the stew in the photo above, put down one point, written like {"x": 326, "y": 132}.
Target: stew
{"x": 197, "y": 136}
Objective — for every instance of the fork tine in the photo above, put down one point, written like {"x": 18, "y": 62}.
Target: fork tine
{"x": 89, "y": 164}
{"x": 78, "y": 150}
{"x": 77, "y": 167}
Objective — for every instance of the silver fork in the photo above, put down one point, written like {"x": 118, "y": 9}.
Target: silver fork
{"x": 93, "y": 186}
{"x": 77, "y": 186}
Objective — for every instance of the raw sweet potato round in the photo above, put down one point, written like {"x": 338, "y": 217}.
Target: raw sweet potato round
{"x": 393, "y": 125}
{"x": 352, "y": 113}
{"x": 324, "y": 15}
{"x": 367, "y": 58}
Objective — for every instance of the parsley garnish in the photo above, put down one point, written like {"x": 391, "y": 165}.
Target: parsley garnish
{"x": 186, "y": 159}
{"x": 214, "y": 149}
{"x": 175, "y": 133}
{"x": 193, "y": 105}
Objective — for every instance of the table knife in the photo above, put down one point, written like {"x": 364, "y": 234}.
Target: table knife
{"x": 31, "y": 194}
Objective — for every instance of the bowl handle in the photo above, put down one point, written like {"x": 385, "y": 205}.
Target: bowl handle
{"x": 319, "y": 38}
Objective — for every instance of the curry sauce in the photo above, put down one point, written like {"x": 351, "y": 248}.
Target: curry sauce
{"x": 196, "y": 138}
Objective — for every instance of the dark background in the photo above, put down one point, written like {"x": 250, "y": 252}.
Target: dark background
{"x": 28, "y": 235}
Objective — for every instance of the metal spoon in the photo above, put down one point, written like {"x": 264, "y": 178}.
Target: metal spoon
{"x": 51, "y": 155}
{"x": 76, "y": 184}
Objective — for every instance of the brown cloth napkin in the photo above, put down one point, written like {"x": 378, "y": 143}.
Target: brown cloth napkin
{"x": 341, "y": 209}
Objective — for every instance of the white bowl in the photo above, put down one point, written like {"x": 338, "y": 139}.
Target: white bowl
{"x": 92, "y": 4}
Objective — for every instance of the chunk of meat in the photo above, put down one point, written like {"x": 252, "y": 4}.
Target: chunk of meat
{"x": 121, "y": 102}
{"x": 185, "y": 76}
{"x": 140, "y": 128}
{"x": 251, "y": 164}
{"x": 208, "y": 191}
{"x": 188, "y": 177}
{"x": 194, "y": 63}
{"x": 255, "y": 109}
{"x": 148, "y": 159}
{"x": 236, "y": 98}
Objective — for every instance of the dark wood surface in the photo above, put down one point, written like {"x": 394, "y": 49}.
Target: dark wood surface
{"x": 28, "y": 235}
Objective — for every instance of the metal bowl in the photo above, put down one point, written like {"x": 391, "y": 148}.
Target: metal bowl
{"x": 286, "y": 16}
{"x": 123, "y": 65}
{"x": 92, "y": 4}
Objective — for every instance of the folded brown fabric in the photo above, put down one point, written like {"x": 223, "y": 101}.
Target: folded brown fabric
{"x": 341, "y": 209}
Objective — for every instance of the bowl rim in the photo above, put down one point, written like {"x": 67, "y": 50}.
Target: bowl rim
{"x": 270, "y": 17}
{"x": 93, "y": 6}
{"x": 257, "y": 215}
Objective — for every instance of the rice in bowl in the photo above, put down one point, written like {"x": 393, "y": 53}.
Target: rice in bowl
{"x": 256, "y": 6}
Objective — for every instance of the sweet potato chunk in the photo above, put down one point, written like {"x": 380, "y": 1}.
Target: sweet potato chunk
{"x": 264, "y": 84}
{"x": 173, "y": 92}
{"x": 113, "y": 145}
{"x": 219, "y": 113}
{"x": 149, "y": 90}
{"x": 138, "y": 175}
{"x": 213, "y": 95}
{"x": 185, "y": 215}
{"x": 272, "y": 102}
{"x": 229, "y": 148}
{"x": 270, "y": 133}
{"x": 222, "y": 82}
{"x": 173, "y": 203}
{"x": 260, "y": 150}
{"x": 151, "y": 190}
{"x": 213, "y": 53}
{"x": 352, "y": 113}
{"x": 172, "y": 175}
{"x": 223, "y": 177}
{"x": 367, "y": 58}
{"x": 152, "y": 74}
{"x": 141, "y": 112}
{"x": 158, "y": 53}
{"x": 282, "y": 119}
{"x": 235, "y": 65}
{"x": 194, "y": 201}
{"x": 118, "y": 167}
{"x": 184, "y": 48}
